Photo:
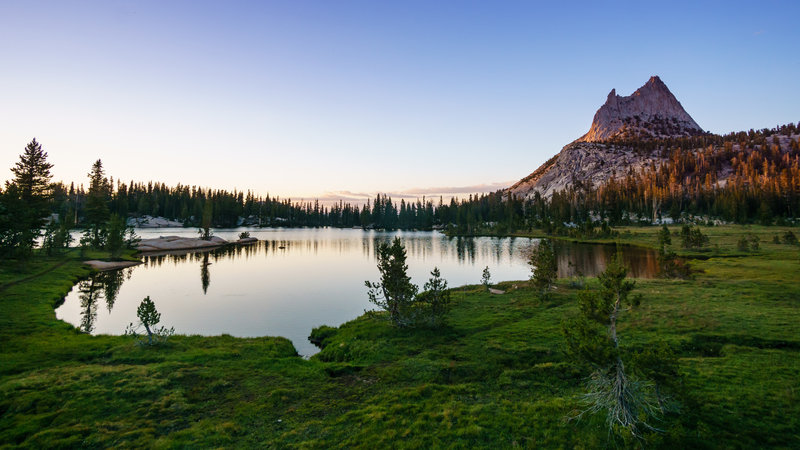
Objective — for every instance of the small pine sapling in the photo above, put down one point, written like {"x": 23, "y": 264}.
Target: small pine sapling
{"x": 627, "y": 403}
{"x": 149, "y": 317}
{"x": 394, "y": 293}
{"x": 544, "y": 267}
{"x": 434, "y": 300}
{"x": 486, "y": 278}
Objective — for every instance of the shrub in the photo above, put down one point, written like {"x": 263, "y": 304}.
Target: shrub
{"x": 544, "y": 267}
{"x": 394, "y": 293}
{"x": 743, "y": 244}
{"x": 693, "y": 237}
{"x": 628, "y": 404}
{"x": 434, "y": 301}
{"x": 486, "y": 278}
{"x": 149, "y": 318}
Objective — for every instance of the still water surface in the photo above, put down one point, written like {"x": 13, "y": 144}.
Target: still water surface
{"x": 295, "y": 279}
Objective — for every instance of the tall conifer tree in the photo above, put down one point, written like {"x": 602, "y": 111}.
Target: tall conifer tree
{"x": 33, "y": 188}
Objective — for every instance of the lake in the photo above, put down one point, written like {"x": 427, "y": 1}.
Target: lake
{"x": 295, "y": 279}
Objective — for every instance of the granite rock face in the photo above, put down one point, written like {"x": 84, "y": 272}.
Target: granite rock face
{"x": 649, "y": 113}
{"x": 585, "y": 164}
{"x": 164, "y": 243}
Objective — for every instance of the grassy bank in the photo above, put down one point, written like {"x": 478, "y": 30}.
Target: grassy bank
{"x": 495, "y": 376}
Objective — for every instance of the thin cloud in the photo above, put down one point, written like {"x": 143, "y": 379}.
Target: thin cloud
{"x": 359, "y": 198}
{"x": 476, "y": 188}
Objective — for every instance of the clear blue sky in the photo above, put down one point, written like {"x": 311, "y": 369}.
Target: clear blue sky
{"x": 301, "y": 98}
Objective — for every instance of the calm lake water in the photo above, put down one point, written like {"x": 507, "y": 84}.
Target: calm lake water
{"x": 295, "y": 279}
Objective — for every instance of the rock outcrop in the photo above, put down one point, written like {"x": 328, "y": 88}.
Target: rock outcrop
{"x": 584, "y": 163}
{"x": 103, "y": 266}
{"x": 649, "y": 113}
{"x": 153, "y": 222}
{"x": 178, "y": 243}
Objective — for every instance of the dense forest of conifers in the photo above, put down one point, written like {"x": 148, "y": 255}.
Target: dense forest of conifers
{"x": 741, "y": 177}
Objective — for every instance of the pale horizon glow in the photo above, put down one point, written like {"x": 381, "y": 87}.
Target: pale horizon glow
{"x": 338, "y": 100}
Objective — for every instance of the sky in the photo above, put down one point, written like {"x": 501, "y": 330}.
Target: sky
{"x": 345, "y": 99}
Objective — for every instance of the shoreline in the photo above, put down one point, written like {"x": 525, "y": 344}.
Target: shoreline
{"x": 103, "y": 266}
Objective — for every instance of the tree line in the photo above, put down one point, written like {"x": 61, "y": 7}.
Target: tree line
{"x": 744, "y": 177}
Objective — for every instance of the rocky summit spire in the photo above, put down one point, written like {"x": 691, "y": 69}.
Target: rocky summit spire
{"x": 650, "y": 112}
{"x": 602, "y": 153}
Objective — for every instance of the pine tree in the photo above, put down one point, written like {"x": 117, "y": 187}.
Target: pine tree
{"x": 435, "y": 299}
{"x": 32, "y": 180}
{"x": 149, "y": 317}
{"x": 115, "y": 235}
{"x": 544, "y": 266}
{"x": 12, "y": 234}
{"x": 96, "y": 211}
{"x": 627, "y": 403}
{"x": 664, "y": 238}
{"x": 486, "y": 278}
{"x": 205, "y": 221}
{"x": 394, "y": 293}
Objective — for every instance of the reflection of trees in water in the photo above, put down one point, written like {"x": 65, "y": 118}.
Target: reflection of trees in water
{"x": 88, "y": 293}
{"x": 591, "y": 259}
{"x": 111, "y": 281}
{"x": 498, "y": 251}
{"x": 418, "y": 246}
{"x": 465, "y": 249}
{"x": 205, "y": 275}
{"x": 588, "y": 259}
{"x": 100, "y": 285}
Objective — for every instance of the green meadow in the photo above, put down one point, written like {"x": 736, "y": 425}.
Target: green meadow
{"x": 495, "y": 376}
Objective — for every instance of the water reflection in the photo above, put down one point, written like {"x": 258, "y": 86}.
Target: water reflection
{"x": 205, "y": 276}
{"x": 591, "y": 259}
{"x": 101, "y": 285}
{"x": 88, "y": 293}
{"x": 112, "y": 282}
{"x": 295, "y": 279}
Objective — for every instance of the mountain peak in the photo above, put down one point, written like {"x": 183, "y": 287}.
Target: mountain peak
{"x": 650, "y": 112}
